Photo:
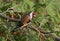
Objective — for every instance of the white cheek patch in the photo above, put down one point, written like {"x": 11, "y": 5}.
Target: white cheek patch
{"x": 31, "y": 15}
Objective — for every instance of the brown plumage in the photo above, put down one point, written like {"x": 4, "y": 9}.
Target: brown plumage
{"x": 23, "y": 21}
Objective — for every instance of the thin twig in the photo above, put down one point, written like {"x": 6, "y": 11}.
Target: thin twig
{"x": 6, "y": 17}
{"x": 33, "y": 28}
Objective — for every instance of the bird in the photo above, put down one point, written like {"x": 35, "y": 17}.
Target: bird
{"x": 26, "y": 19}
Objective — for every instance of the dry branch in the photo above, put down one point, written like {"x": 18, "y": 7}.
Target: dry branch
{"x": 41, "y": 32}
{"x": 40, "y": 35}
{"x": 7, "y": 18}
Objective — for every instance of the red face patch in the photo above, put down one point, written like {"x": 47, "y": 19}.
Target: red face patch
{"x": 33, "y": 14}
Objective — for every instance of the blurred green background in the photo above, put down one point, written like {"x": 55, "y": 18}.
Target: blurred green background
{"x": 47, "y": 18}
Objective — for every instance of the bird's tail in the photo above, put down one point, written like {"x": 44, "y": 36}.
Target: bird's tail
{"x": 18, "y": 26}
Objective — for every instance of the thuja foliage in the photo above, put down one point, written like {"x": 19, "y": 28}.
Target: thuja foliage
{"x": 47, "y": 18}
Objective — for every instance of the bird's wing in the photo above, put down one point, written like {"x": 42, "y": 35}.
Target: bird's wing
{"x": 26, "y": 19}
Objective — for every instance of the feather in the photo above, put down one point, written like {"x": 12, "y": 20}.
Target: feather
{"x": 18, "y": 26}
{"x": 24, "y": 20}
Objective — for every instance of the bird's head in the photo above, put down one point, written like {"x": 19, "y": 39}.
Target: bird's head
{"x": 32, "y": 14}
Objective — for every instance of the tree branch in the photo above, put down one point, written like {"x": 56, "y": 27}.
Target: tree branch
{"x": 6, "y": 17}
